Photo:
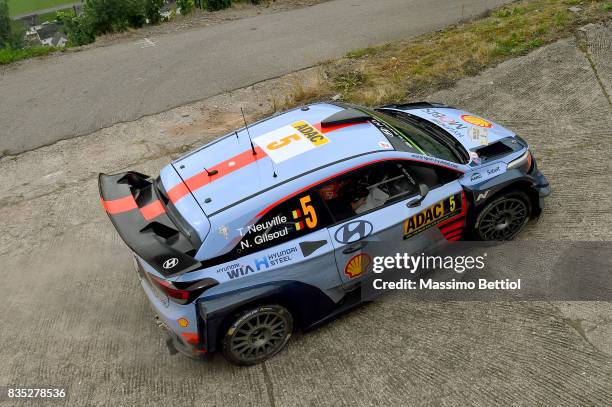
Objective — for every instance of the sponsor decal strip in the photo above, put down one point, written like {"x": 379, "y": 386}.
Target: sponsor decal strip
{"x": 460, "y": 216}
{"x": 442, "y": 212}
{"x": 230, "y": 165}
{"x": 128, "y": 203}
{"x": 452, "y": 229}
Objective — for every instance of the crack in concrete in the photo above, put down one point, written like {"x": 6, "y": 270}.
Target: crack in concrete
{"x": 576, "y": 324}
{"x": 268, "y": 384}
{"x": 583, "y": 45}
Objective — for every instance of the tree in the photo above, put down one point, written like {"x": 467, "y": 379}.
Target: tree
{"x": 5, "y": 24}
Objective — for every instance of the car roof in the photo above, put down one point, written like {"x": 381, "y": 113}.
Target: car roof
{"x": 286, "y": 146}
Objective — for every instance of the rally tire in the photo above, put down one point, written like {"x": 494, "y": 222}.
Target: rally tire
{"x": 503, "y": 217}
{"x": 257, "y": 334}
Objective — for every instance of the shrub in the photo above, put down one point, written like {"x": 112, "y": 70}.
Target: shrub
{"x": 213, "y": 5}
{"x": 152, "y": 9}
{"x": 186, "y": 6}
{"x": 78, "y": 29}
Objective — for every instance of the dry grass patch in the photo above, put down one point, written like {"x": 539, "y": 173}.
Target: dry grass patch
{"x": 409, "y": 69}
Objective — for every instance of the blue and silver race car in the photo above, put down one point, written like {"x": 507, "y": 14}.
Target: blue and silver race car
{"x": 265, "y": 230}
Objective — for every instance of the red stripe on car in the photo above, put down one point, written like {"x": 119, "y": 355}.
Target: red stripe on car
{"x": 454, "y": 234}
{"x": 115, "y": 206}
{"x": 223, "y": 168}
{"x": 329, "y": 129}
{"x": 452, "y": 226}
{"x": 152, "y": 210}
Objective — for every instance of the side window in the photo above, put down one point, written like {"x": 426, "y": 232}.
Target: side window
{"x": 432, "y": 176}
{"x": 291, "y": 219}
{"x": 366, "y": 189}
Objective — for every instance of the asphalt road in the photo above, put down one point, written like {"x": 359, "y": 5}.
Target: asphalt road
{"x": 68, "y": 95}
{"x": 73, "y": 313}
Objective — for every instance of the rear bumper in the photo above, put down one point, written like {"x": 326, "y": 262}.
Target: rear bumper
{"x": 176, "y": 345}
{"x": 186, "y": 340}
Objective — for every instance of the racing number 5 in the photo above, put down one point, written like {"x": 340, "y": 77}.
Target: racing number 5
{"x": 275, "y": 145}
{"x": 309, "y": 212}
{"x": 452, "y": 203}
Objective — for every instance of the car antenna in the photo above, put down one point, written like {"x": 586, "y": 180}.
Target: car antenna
{"x": 248, "y": 133}
{"x": 211, "y": 173}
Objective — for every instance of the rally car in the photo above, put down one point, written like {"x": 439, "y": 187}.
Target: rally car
{"x": 266, "y": 229}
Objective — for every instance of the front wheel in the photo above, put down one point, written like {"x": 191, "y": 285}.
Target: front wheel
{"x": 504, "y": 217}
{"x": 257, "y": 334}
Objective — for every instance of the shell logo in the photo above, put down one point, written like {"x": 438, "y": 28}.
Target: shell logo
{"x": 357, "y": 265}
{"x": 476, "y": 121}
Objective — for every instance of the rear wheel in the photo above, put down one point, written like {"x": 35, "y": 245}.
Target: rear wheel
{"x": 504, "y": 217}
{"x": 257, "y": 334}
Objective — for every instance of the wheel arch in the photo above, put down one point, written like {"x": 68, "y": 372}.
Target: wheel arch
{"x": 520, "y": 185}
{"x": 306, "y": 303}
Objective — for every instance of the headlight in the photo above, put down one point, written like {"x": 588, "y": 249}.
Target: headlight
{"x": 522, "y": 163}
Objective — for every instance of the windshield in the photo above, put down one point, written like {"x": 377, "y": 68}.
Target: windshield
{"x": 420, "y": 135}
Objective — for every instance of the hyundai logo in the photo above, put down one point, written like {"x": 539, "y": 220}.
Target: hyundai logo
{"x": 354, "y": 231}
{"x": 170, "y": 263}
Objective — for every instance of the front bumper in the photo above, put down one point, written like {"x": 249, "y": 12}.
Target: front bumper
{"x": 542, "y": 187}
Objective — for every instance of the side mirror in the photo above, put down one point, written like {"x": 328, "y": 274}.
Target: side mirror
{"x": 416, "y": 200}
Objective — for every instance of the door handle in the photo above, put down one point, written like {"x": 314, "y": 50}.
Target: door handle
{"x": 355, "y": 247}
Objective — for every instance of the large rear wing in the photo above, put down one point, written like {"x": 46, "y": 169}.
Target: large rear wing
{"x": 141, "y": 218}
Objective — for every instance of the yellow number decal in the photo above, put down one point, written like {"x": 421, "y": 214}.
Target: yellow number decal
{"x": 309, "y": 212}
{"x": 275, "y": 145}
{"x": 452, "y": 203}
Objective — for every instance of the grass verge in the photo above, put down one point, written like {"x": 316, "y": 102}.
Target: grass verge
{"x": 29, "y": 6}
{"x": 8, "y": 55}
{"x": 407, "y": 70}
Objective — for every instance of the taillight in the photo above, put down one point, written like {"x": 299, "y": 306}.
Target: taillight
{"x": 180, "y": 296}
{"x": 182, "y": 293}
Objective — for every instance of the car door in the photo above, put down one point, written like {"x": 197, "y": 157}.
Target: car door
{"x": 383, "y": 209}
{"x": 289, "y": 242}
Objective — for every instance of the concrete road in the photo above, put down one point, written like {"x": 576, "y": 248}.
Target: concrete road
{"x": 68, "y": 95}
{"x": 74, "y": 315}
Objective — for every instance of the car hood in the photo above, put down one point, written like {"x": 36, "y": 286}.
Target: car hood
{"x": 470, "y": 130}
